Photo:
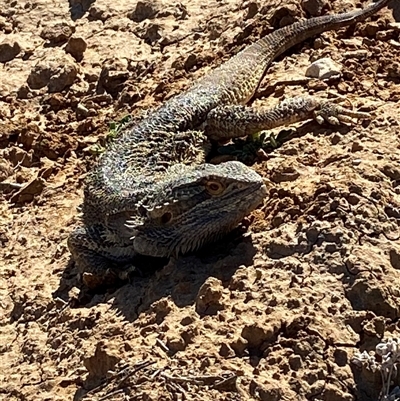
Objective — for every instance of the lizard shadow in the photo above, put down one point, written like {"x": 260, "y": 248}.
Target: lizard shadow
{"x": 177, "y": 279}
{"x": 312, "y": 127}
{"x": 181, "y": 279}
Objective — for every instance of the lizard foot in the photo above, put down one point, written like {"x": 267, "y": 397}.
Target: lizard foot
{"x": 106, "y": 278}
{"x": 95, "y": 263}
{"x": 335, "y": 114}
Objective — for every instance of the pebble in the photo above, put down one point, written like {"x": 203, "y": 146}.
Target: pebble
{"x": 58, "y": 32}
{"x": 371, "y": 28}
{"x": 359, "y": 54}
{"x": 76, "y": 46}
{"x": 144, "y": 10}
{"x": 313, "y": 7}
{"x": 252, "y": 10}
{"x": 324, "y": 68}
{"x": 55, "y": 72}
{"x": 9, "y": 50}
{"x": 394, "y": 43}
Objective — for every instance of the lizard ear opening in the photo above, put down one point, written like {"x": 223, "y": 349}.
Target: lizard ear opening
{"x": 166, "y": 218}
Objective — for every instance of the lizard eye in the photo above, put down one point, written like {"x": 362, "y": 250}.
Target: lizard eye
{"x": 166, "y": 218}
{"x": 214, "y": 187}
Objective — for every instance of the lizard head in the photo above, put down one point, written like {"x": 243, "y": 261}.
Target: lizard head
{"x": 189, "y": 210}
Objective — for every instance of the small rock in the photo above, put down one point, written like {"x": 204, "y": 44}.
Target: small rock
{"x": 144, "y": 10}
{"x": 324, "y": 68}
{"x": 393, "y": 70}
{"x": 282, "y": 16}
{"x": 76, "y": 46}
{"x": 383, "y": 35}
{"x": 5, "y": 91}
{"x": 175, "y": 343}
{"x": 56, "y": 72}
{"x": 394, "y": 43}
{"x": 150, "y": 32}
{"x": 113, "y": 75}
{"x": 270, "y": 394}
{"x": 285, "y": 174}
{"x": 256, "y": 334}
{"x": 91, "y": 76}
{"x": 18, "y": 156}
{"x": 252, "y": 10}
{"x": 343, "y": 87}
{"x": 295, "y": 362}
{"x": 28, "y": 192}
{"x": 47, "y": 167}
{"x": 3, "y": 22}
{"x": 9, "y": 50}
{"x": 370, "y": 29}
{"x": 190, "y": 62}
{"x": 5, "y": 169}
{"x": 187, "y": 320}
{"x": 313, "y": 7}
{"x": 239, "y": 345}
{"x": 395, "y": 259}
{"x": 28, "y": 134}
{"x": 179, "y": 12}
{"x": 341, "y": 357}
{"x": 318, "y": 43}
{"x": 55, "y": 101}
{"x": 356, "y": 147}
{"x": 209, "y": 297}
{"x": 81, "y": 110}
{"x": 226, "y": 351}
{"x": 392, "y": 171}
{"x": 355, "y": 43}
{"x": 99, "y": 12}
{"x": 5, "y": 26}
{"x": 395, "y": 26}
{"x": 101, "y": 362}
{"x": 153, "y": 33}
{"x": 57, "y": 33}
{"x": 23, "y": 92}
{"x": 359, "y": 54}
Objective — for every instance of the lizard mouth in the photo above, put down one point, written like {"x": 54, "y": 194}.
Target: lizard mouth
{"x": 248, "y": 201}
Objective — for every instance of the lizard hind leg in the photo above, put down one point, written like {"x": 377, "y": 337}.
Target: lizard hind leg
{"x": 228, "y": 122}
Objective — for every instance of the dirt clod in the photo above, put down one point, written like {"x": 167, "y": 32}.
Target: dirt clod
{"x": 57, "y": 33}
{"x": 56, "y": 72}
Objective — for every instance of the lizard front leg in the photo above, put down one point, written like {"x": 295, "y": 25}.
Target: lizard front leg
{"x": 229, "y": 122}
{"x": 94, "y": 256}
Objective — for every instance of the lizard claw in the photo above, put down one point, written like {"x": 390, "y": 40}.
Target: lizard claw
{"x": 335, "y": 114}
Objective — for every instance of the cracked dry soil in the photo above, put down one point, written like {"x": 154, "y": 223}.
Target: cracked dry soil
{"x": 275, "y": 313}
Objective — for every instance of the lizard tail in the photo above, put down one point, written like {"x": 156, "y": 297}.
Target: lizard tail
{"x": 282, "y": 39}
{"x": 243, "y": 73}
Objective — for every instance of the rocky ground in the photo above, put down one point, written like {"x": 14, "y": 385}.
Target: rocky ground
{"x": 277, "y": 310}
